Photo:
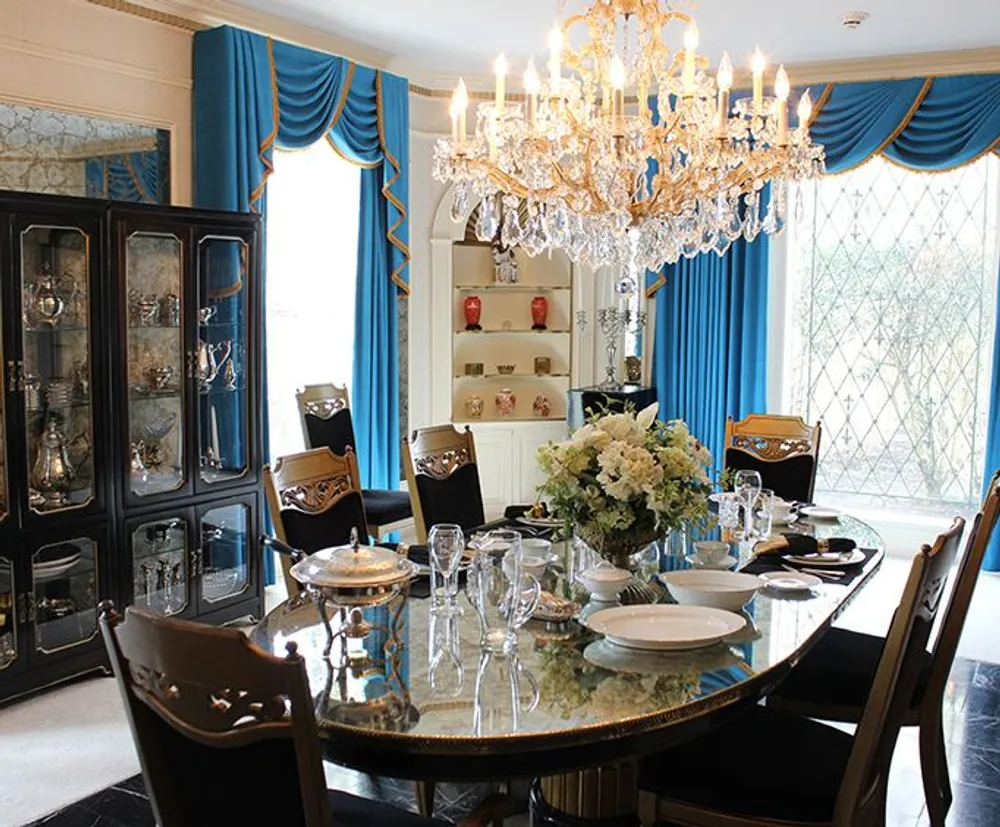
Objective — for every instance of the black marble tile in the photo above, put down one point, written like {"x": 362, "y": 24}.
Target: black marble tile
{"x": 987, "y": 676}
{"x": 972, "y": 807}
{"x": 77, "y": 816}
{"x": 979, "y": 731}
{"x": 975, "y": 767}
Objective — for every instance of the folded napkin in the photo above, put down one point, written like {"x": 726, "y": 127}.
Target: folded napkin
{"x": 802, "y": 545}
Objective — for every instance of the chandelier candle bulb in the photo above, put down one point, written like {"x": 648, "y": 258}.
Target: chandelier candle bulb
{"x": 618, "y": 87}
{"x": 555, "y": 59}
{"x": 724, "y": 79}
{"x": 532, "y": 86}
{"x": 757, "y": 68}
{"x": 453, "y": 113}
{"x": 805, "y": 110}
{"x": 500, "y": 70}
{"x": 781, "y": 90}
{"x": 690, "y": 45}
{"x": 461, "y": 104}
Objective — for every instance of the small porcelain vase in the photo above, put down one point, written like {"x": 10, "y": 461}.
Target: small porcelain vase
{"x": 539, "y": 312}
{"x": 633, "y": 369}
{"x": 473, "y": 308}
{"x": 505, "y": 401}
{"x": 541, "y": 406}
{"x": 474, "y": 407}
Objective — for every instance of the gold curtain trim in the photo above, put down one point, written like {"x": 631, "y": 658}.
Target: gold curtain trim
{"x": 904, "y": 122}
{"x": 390, "y": 197}
{"x": 994, "y": 147}
{"x": 660, "y": 281}
{"x": 268, "y": 142}
{"x": 351, "y": 66}
{"x": 823, "y": 100}
{"x": 135, "y": 180}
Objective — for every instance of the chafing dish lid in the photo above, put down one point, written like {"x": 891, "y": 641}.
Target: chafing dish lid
{"x": 353, "y": 566}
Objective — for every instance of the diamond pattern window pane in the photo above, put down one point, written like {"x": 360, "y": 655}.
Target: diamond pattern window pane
{"x": 892, "y": 279}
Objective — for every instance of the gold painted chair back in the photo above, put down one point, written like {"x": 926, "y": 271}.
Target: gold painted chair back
{"x": 324, "y": 403}
{"x": 773, "y": 438}
{"x": 432, "y": 457}
{"x": 215, "y": 720}
{"x": 314, "y": 500}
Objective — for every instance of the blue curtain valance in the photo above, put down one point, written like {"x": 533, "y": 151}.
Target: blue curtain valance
{"x": 925, "y": 124}
{"x": 287, "y": 96}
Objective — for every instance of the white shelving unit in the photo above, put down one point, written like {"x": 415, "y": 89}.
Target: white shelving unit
{"x": 507, "y": 337}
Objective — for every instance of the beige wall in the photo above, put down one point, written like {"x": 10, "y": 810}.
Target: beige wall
{"x": 75, "y": 56}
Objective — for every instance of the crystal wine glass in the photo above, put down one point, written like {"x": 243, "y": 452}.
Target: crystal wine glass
{"x": 747, "y": 484}
{"x": 446, "y": 544}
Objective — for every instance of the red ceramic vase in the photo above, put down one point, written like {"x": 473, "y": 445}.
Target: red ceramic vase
{"x": 473, "y": 308}
{"x": 539, "y": 312}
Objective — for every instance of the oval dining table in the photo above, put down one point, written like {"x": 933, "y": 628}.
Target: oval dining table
{"x": 597, "y": 710}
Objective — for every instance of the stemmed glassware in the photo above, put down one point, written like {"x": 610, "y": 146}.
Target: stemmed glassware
{"x": 446, "y": 545}
{"x": 445, "y": 671}
{"x": 747, "y": 485}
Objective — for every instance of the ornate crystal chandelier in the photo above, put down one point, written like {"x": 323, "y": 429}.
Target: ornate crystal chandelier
{"x": 609, "y": 179}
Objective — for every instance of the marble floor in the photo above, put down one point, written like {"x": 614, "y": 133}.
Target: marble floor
{"x": 972, "y": 715}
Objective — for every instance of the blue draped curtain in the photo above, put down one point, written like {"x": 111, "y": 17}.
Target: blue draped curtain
{"x": 252, "y": 93}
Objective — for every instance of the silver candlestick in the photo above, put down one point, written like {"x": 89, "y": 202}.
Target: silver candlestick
{"x": 614, "y": 322}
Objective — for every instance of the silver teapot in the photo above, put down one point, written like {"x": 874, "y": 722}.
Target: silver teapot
{"x": 211, "y": 358}
{"x": 53, "y": 471}
{"x": 45, "y": 304}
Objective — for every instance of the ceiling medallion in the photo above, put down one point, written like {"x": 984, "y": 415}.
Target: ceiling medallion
{"x": 609, "y": 174}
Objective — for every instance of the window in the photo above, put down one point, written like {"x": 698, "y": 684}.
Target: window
{"x": 891, "y": 300}
{"x": 312, "y": 239}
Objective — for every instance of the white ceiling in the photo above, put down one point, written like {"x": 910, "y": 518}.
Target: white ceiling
{"x": 463, "y": 36}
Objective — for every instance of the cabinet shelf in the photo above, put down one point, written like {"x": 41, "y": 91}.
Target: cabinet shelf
{"x": 512, "y": 419}
{"x": 519, "y": 331}
{"x": 137, "y": 394}
{"x": 55, "y": 328}
{"x": 513, "y": 376}
{"x": 154, "y": 327}
{"x": 513, "y": 288}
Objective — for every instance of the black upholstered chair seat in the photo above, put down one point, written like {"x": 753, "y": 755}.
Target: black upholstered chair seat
{"x": 763, "y": 764}
{"x": 384, "y": 507}
{"x": 352, "y": 811}
{"x": 789, "y": 478}
{"x": 838, "y": 673}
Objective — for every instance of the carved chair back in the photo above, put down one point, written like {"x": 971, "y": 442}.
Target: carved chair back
{"x": 784, "y": 449}
{"x": 896, "y": 678}
{"x": 325, "y": 414}
{"x": 226, "y": 733}
{"x": 314, "y": 500}
{"x": 953, "y": 620}
{"x": 443, "y": 478}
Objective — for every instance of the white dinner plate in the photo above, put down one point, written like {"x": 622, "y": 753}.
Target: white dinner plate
{"x": 828, "y": 559}
{"x": 50, "y": 569}
{"x": 815, "y": 512}
{"x": 726, "y": 562}
{"x": 665, "y": 627}
{"x": 540, "y": 522}
{"x": 621, "y": 659}
{"x": 790, "y": 581}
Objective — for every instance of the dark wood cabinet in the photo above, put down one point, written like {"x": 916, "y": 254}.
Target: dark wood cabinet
{"x": 131, "y": 414}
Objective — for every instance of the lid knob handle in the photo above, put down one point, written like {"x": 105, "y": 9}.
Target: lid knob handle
{"x": 355, "y": 542}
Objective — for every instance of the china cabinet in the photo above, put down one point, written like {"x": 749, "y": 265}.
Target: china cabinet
{"x": 129, "y": 423}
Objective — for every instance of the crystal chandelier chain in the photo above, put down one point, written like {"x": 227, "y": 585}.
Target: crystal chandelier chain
{"x": 612, "y": 176}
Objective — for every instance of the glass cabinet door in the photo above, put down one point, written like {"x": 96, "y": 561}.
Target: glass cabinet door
{"x": 160, "y": 553}
{"x": 8, "y": 619}
{"x": 64, "y": 594}
{"x": 154, "y": 268}
{"x": 225, "y": 552}
{"x": 55, "y": 376}
{"x": 221, "y": 359}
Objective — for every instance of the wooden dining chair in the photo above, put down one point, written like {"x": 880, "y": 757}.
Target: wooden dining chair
{"x": 325, "y": 414}
{"x": 832, "y": 681}
{"x": 314, "y": 501}
{"x": 783, "y": 449}
{"x": 225, "y": 732}
{"x": 766, "y": 768}
{"x": 443, "y": 478}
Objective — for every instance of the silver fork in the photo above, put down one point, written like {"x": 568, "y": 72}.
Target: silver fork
{"x": 831, "y": 575}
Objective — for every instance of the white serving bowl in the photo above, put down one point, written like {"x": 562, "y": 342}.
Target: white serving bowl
{"x": 536, "y": 555}
{"x": 728, "y": 590}
{"x": 605, "y": 582}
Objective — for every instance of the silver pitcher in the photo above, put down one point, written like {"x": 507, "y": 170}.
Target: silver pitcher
{"x": 45, "y": 304}
{"x": 53, "y": 470}
{"x": 210, "y": 361}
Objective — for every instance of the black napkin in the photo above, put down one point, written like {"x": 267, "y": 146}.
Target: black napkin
{"x": 803, "y": 544}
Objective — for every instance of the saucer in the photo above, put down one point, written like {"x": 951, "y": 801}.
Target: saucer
{"x": 726, "y": 562}
{"x": 790, "y": 581}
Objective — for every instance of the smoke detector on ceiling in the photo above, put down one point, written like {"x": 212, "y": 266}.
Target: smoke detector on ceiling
{"x": 853, "y": 19}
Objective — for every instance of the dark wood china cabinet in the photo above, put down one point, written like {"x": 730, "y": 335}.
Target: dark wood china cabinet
{"x": 130, "y": 442}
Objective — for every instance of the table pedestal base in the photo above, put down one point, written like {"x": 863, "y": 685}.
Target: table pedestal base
{"x": 603, "y": 795}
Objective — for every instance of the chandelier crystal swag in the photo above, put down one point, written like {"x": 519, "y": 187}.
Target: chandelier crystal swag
{"x": 609, "y": 179}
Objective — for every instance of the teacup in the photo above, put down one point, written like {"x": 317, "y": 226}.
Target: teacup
{"x": 536, "y": 554}
{"x": 710, "y": 552}
{"x": 781, "y": 510}
{"x": 605, "y": 582}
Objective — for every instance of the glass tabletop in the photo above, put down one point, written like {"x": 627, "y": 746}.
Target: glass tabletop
{"x": 564, "y": 686}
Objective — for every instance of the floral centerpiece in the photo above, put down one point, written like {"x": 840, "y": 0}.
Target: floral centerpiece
{"x": 625, "y": 479}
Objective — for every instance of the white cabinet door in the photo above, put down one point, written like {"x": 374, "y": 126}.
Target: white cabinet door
{"x": 527, "y": 440}
{"x": 493, "y": 455}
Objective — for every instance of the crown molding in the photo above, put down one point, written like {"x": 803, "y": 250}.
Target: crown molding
{"x": 424, "y": 82}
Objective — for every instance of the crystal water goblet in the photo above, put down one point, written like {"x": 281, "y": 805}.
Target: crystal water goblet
{"x": 445, "y": 546}
{"x": 747, "y": 484}
{"x": 764, "y": 513}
